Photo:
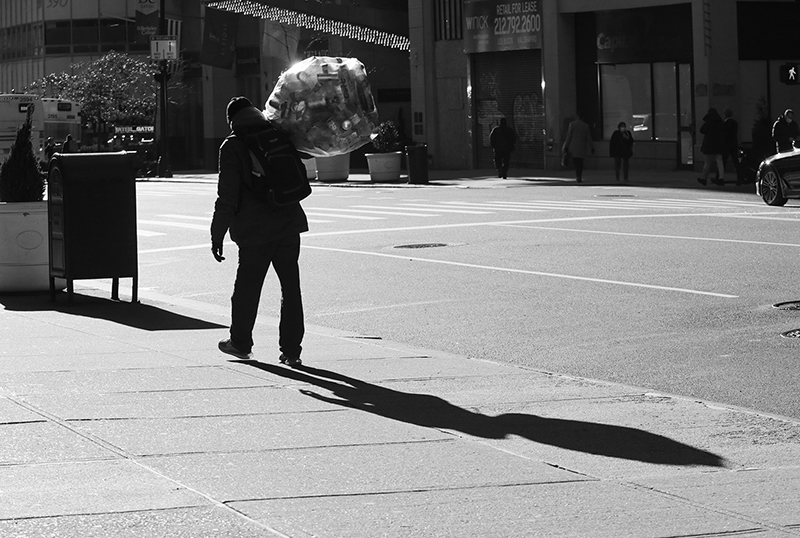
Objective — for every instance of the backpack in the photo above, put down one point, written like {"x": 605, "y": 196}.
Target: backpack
{"x": 279, "y": 175}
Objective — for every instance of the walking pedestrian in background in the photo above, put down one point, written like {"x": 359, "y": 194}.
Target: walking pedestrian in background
{"x": 621, "y": 148}
{"x": 785, "y": 131}
{"x": 502, "y": 139}
{"x": 266, "y": 234}
{"x": 578, "y": 143}
{"x": 69, "y": 145}
{"x": 713, "y": 146}
{"x": 731, "y": 129}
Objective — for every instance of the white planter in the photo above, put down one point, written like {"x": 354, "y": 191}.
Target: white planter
{"x": 384, "y": 166}
{"x": 311, "y": 168}
{"x": 333, "y": 168}
{"x": 24, "y": 247}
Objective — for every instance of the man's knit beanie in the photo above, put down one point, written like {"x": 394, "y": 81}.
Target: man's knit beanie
{"x": 235, "y": 105}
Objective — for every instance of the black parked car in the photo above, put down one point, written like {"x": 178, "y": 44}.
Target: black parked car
{"x": 778, "y": 178}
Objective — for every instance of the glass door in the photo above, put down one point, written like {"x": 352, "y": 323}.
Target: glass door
{"x": 686, "y": 132}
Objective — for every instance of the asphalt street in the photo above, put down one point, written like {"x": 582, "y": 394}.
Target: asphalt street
{"x": 658, "y": 283}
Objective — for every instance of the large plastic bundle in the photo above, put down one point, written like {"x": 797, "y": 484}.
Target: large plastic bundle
{"x": 325, "y": 105}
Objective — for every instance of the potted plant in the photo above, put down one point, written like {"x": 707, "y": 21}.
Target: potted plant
{"x": 24, "y": 252}
{"x": 384, "y": 164}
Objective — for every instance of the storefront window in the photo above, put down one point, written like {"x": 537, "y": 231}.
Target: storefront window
{"x": 642, "y": 95}
{"x": 625, "y": 90}
{"x": 665, "y": 101}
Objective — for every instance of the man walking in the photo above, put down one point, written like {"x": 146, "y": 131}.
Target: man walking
{"x": 785, "y": 131}
{"x": 502, "y": 139}
{"x": 266, "y": 235}
{"x": 578, "y": 143}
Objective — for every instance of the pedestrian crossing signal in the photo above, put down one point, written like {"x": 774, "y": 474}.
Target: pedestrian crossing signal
{"x": 790, "y": 74}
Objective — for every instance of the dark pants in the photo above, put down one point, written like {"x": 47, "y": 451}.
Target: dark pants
{"x": 501, "y": 160}
{"x": 623, "y": 162}
{"x": 578, "y": 167}
{"x": 253, "y": 265}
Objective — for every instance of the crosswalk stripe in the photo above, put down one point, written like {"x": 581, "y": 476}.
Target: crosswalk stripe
{"x": 406, "y": 211}
{"x": 372, "y": 212}
{"x": 338, "y": 216}
{"x": 470, "y": 205}
{"x": 174, "y": 224}
{"x": 190, "y": 217}
{"x": 439, "y": 208}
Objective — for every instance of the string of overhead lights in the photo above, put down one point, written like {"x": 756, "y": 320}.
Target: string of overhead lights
{"x": 313, "y": 22}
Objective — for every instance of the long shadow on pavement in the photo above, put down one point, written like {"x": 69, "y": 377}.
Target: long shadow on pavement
{"x": 140, "y": 316}
{"x": 434, "y": 412}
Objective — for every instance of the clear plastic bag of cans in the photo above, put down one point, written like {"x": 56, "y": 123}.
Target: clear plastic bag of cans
{"x": 325, "y": 105}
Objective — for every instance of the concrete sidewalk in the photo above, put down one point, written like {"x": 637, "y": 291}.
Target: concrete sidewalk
{"x": 124, "y": 420}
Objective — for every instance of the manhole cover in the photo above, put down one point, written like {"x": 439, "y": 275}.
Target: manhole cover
{"x": 615, "y": 196}
{"x": 791, "y": 334}
{"x": 788, "y": 305}
{"x": 422, "y": 245}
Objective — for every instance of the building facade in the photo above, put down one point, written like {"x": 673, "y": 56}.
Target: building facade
{"x": 256, "y": 40}
{"x": 448, "y": 70}
{"x": 658, "y": 65}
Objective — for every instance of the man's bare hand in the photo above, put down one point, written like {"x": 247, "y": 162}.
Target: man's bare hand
{"x": 216, "y": 249}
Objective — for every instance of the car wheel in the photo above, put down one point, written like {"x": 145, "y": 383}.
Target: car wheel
{"x": 771, "y": 190}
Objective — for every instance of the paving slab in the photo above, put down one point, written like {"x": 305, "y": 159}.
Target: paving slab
{"x": 146, "y": 437}
{"x": 56, "y": 361}
{"x": 741, "y": 440}
{"x": 175, "y": 403}
{"x": 523, "y": 387}
{"x": 353, "y": 470}
{"x": 127, "y": 380}
{"x": 40, "y": 442}
{"x": 587, "y": 509}
{"x": 88, "y": 487}
{"x": 361, "y": 371}
{"x": 201, "y": 522}
{"x": 767, "y": 495}
{"x": 69, "y": 343}
{"x": 11, "y": 412}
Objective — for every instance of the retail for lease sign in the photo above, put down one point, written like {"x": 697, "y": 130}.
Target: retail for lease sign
{"x": 495, "y": 25}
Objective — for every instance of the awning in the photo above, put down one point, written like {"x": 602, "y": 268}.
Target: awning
{"x": 257, "y": 8}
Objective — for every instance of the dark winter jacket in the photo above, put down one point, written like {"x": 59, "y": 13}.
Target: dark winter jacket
{"x": 503, "y": 137}
{"x": 621, "y": 145}
{"x": 783, "y": 132}
{"x": 731, "y": 127}
{"x": 714, "y": 131}
{"x": 251, "y": 221}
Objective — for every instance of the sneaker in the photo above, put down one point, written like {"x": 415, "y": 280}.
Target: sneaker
{"x": 702, "y": 181}
{"x": 226, "y": 346}
{"x": 290, "y": 361}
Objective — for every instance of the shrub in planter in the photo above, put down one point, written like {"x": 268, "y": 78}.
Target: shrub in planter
{"x": 387, "y": 138}
{"x": 21, "y": 180}
{"x": 385, "y": 163}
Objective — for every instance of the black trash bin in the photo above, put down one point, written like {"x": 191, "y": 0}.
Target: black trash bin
{"x": 417, "y": 160}
{"x": 91, "y": 204}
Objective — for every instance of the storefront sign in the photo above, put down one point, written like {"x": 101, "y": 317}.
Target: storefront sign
{"x": 495, "y": 25}
{"x": 134, "y": 129}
